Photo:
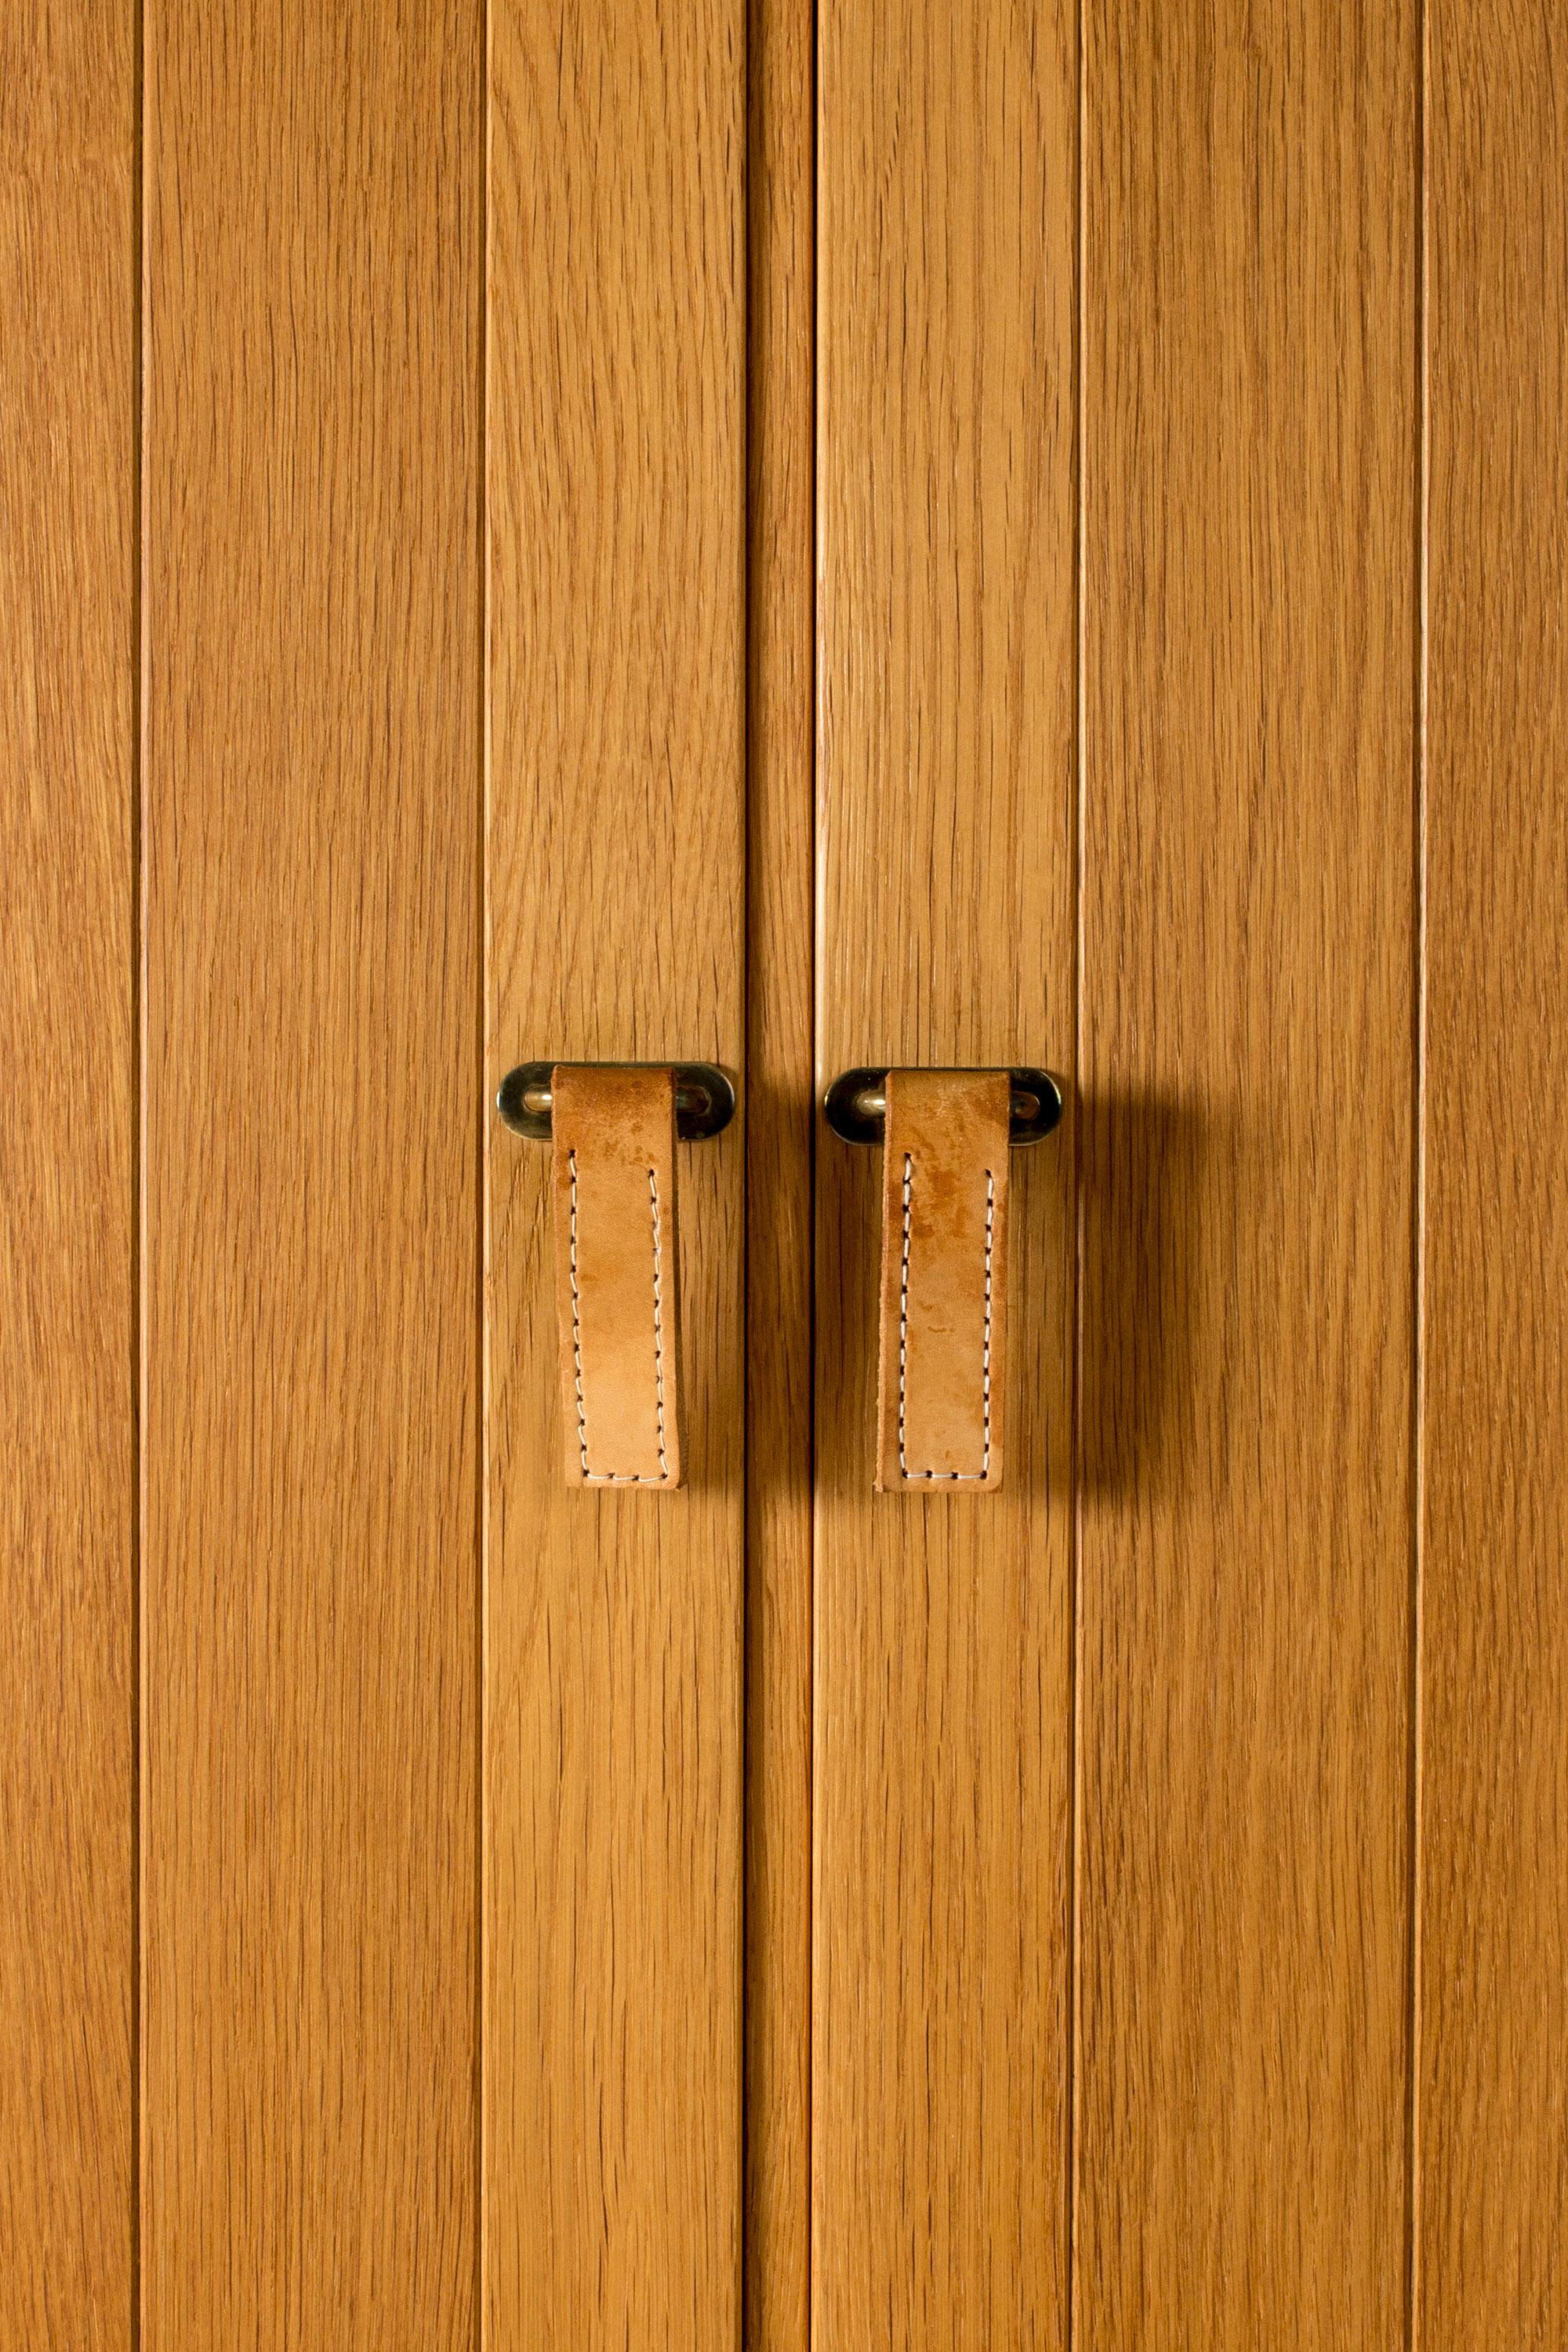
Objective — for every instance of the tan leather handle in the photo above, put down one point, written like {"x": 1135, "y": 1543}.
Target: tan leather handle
{"x": 945, "y": 1281}
{"x": 613, "y": 1161}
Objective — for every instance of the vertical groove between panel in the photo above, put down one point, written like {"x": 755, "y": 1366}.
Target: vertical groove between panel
{"x": 1418, "y": 1187}
{"x": 137, "y": 1367}
{"x": 814, "y": 429}
{"x": 818, "y": 1077}
{"x": 750, "y": 196}
{"x": 1075, "y": 1828}
{"x": 778, "y": 991}
{"x": 482, "y": 1200}
{"x": 750, "y": 178}
{"x": 814, "y": 313}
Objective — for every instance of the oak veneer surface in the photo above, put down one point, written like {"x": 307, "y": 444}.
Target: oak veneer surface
{"x": 780, "y": 606}
{"x": 1251, "y": 456}
{"x": 311, "y": 798}
{"x": 1493, "y": 2072}
{"x": 615, "y": 920}
{"x": 68, "y": 1176}
{"x": 1310, "y": 2094}
{"x": 947, "y": 152}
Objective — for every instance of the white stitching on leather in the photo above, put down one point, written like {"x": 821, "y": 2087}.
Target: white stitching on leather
{"x": 972, "y": 1477}
{"x": 576, "y": 1327}
{"x": 618, "y": 1477}
{"x": 657, "y": 1330}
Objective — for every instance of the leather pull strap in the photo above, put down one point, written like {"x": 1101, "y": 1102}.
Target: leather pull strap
{"x": 613, "y": 1152}
{"x": 944, "y": 1280}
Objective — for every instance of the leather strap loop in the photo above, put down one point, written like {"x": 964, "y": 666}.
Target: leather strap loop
{"x": 945, "y": 1281}
{"x": 613, "y": 1166}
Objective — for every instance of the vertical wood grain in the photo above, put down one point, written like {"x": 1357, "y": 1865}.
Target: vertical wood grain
{"x": 1493, "y": 2115}
{"x": 616, "y": 913}
{"x": 780, "y": 628}
{"x": 68, "y": 267}
{"x": 947, "y": 162}
{"x": 1251, "y": 471}
{"x": 313, "y": 180}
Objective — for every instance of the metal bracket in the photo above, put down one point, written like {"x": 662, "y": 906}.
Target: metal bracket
{"x": 855, "y": 1105}
{"x": 705, "y": 1097}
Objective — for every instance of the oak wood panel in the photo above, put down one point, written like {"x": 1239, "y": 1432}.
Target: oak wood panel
{"x": 312, "y": 772}
{"x": 615, "y": 907}
{"x": 68, "y": 1175}
{"x": 1493, "y": 2112}
{"x": 947, "y": 169}
{"x": 1249, "y": 894}
{"x": 780, "y": 878}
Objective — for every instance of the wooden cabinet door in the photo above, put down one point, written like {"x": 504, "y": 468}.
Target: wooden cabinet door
{"x": 889, "y": 532}
{"x": 1189, "y": 1819}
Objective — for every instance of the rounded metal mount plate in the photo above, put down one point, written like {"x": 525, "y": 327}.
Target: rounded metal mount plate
{"x": 855, "y": 1105}
{"x": 704, "y": 1098}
